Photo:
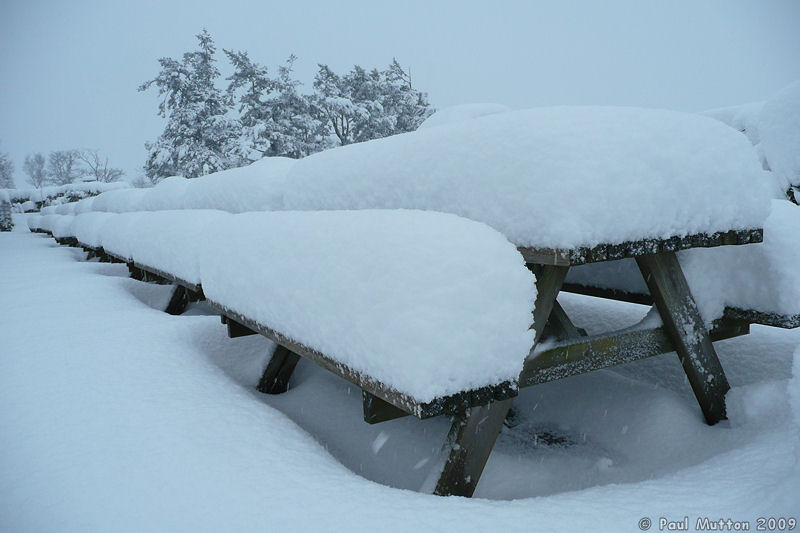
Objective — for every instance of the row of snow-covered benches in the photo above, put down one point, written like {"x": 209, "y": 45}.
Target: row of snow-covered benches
{"x": 339, "y": 258}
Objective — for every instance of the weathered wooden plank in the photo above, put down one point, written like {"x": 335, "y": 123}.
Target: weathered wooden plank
{"x": 468, "y": 446}
{"x": 766, "y": 319}
{"x": 687, "y": 332}
{"x": 442, "y": 405}
{"x": 377, "y": 410}
{"x": 611, "y": 294}
{"x": 587, "y": 354}
{"x": 607, "y": 252}
{"x": 275, "y": 379}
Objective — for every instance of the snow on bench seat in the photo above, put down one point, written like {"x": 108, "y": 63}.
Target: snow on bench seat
{"x": 764, "y": 277}
{"x": 87, "y": 228}
{"x": 167, "y": 241}
{"x": 427, "y": 304}
{"x": 256, "y": 187}
{"x": 559, "y": 177}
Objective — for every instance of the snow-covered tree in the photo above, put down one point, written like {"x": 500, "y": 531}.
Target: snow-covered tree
{"x": 62, "y": 167}
{"x": 293, "y": 128}
{"x": 34, "y": 169}
{"x": 276, "y": 120}
{"x": 362, "y": 105}
{"x": 6, "y": 172}
{"x": 199, "y": 137}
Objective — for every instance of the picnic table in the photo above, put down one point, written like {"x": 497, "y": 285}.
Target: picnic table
{"x": 542, "y": 181}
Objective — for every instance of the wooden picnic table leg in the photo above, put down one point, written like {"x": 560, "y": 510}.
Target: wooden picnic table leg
{"x": 179, "y": 300}
{"x": 684, "y": 325}
{"x": 549, "y": 279}
{"x": 279, "y": 369}
{"x": 468, "y": 445}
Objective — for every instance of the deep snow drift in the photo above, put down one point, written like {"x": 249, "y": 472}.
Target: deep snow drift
{"x": 116, "y": 416}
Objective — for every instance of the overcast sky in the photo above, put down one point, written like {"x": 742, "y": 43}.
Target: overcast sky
{"x": 69, "y": 70}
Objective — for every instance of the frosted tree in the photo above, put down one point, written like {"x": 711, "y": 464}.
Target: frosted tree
{"x": 34, "y": 170}
{"x": 199, "y": 138}
{"x": 62, "y": 167}
{"x": 6, "y": 172}
{"x": 249, "y": 86}
{"x": 400, "y": 99}
{"x": 276, "y": 120}
{"x": 362, "y": 105}
{"x": 293, "y": 128}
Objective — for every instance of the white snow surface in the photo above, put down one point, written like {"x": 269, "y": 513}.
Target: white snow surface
{"x": 117, "y": 417}
{"x": 169, "y": 241}
{"x": 552, "y": 177}
{"x": 256, "y": 187}
{"x": 762, "y": 277}
{"x": 87, "y": 227}
{"x": 428, "y": 303}
{"x": 459, "y": 113}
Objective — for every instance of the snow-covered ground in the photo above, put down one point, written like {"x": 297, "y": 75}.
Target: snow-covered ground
{"x": 115, "y": 416}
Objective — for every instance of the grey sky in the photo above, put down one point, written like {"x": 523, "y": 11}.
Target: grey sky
{"x": 69, "y": 70}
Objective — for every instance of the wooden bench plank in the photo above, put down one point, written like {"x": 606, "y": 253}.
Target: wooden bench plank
{"x": 377, "y": 410}
{"x": 603, "y": 252}
{"x": 579, "y": 356}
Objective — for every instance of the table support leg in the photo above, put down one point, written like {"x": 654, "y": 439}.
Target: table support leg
{"x": 468, "y": 445}
{"x": 279, "y": 369}
{"x": 549, "y": 279}
{"x": 688, "y": 333}
{"x": 178, "y": 301}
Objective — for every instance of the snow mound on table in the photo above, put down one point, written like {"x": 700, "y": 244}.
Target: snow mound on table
{"x": 121, "y": 201}
{"x": 256, "y": 187}
{"x": 63, "y": 226}
{"x": 168, "y": 240}
{"x": 428, "y": 303}
{"x": 167, "y": 194}
{"x": 458, "y": 113}
{"x": 773, "y": 127}
{"x": 762, "y": 277}
{"x": 87, "y": 227}
{"x": 552, "y": 177}
{"x": 119, "y": 231}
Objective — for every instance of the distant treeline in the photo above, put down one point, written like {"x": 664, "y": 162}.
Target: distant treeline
{"x": 210, "y": 129}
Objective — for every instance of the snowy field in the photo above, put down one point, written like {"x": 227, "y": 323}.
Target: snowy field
{"x": 115, "y": 416}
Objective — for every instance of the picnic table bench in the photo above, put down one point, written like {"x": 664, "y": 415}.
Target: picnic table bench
{"x": 478, "y": 414}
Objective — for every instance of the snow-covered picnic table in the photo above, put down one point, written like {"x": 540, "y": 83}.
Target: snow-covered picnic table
{"x": 428, "y": 313}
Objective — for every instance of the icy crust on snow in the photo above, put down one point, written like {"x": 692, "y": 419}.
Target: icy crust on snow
{"x": 761, "y": 277}
{"x": 427, "y": 303}
{"x": 552, "y": 177}
{"x": 168, "y": 240}
{"x": 458, "y": 113}
{"x": 256, "y": 187}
